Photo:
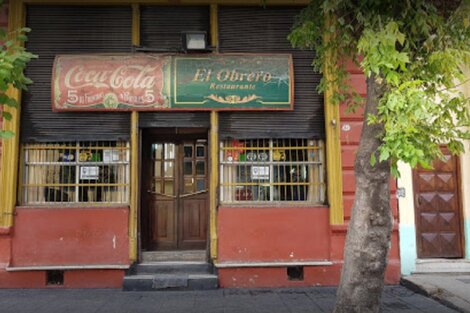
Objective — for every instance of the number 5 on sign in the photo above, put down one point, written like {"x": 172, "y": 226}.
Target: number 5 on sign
{"x": 149, "y": 95}
{"x": 72, "y": 96}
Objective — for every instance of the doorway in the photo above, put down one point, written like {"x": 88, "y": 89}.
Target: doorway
{"x": 438, "y": 209}
{"x": 175, "y": 197}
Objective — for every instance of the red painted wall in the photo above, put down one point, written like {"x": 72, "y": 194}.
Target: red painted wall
{"x": 72, "y": 279}
{"x": 70, "y": 236}
{"x": 273, "y": 234}
{"x": 283, "y": 234}
{"x": 5, "y": 246}
{"x": 277, "y": 277}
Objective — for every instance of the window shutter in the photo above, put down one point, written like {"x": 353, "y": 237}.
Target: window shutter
{"x": 74, "y": 30}
{"x": 263, "y": 30}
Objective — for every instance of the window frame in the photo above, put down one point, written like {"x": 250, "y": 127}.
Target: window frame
{"x": 230, "y": 180}
{"x": 117, "y": 173}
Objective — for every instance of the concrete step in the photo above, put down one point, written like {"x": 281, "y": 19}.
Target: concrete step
{"x": 432, "y": 266}
{"x": 160, "y": 282}
{"x": 181, "y": 267}
{"x": 168, "y": 256}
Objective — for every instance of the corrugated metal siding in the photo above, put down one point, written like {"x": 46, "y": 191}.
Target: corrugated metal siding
{"x": 263, "y": 30}
{"x": 161, "y": 28}
{"x": 71, "y": 29}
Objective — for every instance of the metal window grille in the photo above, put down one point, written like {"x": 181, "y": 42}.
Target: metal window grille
{"x": 267, "y": 170}
{"x": 75, "y": 172}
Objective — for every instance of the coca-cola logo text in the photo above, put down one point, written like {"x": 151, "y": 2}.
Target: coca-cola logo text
{"x": 124, "y": 76}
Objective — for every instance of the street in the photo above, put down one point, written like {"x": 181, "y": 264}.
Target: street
{"x": 282, "y": 300}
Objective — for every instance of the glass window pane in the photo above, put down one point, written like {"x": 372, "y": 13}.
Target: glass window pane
{"x": 169, "y": 151}
{"x": 188, "y": 151}
{"x": 158, "y": 186}
{"x": 158, "y": 169}
{"x": 188, "y": 168}
{"x": 169, "y": 190}
{"x": 157, "y": 150}
{"x": 169, "y": 169}
{"x": 200, "y": 151}
{"x": 200, "y": 168}
{"x": 188, "y": 185}
{"x": 201, "y": 184}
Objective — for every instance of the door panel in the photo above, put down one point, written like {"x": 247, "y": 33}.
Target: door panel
{"x": 163, "y": 224}
{"x": 194, "y": 225}
{"x": 437, "y": 209}
{"x": 177, "y": 200}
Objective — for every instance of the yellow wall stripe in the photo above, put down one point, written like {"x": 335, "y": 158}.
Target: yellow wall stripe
{"x": 134, "y": 190}
{"x": 214, "y": 145}
{"x": 10, "y": 147}
{"x": 333, "y": 145}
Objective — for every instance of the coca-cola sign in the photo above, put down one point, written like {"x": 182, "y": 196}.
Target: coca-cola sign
{"x": 109, "y": 82}
{"x": 172, "y": 82}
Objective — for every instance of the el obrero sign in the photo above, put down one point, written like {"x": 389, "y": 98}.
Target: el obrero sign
{"x": 149, "y": 82}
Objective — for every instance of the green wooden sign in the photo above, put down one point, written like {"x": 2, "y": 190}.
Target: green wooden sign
{"x": 232, "y": 82}
{"x": 150, "y": 82}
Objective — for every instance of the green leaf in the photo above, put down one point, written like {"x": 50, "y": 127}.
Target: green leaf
{"x": 22, "y": 37}
{"x": 6, "y": 134}
{"x": 394, "y": 171}
{"x": 373, "y": 160}
{"x": 7, "y": 115}
{"x": 384, "y": 155}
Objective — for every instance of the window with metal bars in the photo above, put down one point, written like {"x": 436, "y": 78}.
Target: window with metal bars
{"x": 268, "y": 170}
{"x": 75, "y": 172}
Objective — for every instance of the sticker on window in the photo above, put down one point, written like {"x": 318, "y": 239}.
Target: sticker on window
{"x": 260, "y": 172}
{"x": 89, "y": 172}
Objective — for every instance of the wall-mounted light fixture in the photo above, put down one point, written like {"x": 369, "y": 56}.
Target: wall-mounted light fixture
{"x": 194, "y": 41}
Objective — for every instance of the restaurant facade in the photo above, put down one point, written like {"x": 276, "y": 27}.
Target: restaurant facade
{"x": 172, "y": 128}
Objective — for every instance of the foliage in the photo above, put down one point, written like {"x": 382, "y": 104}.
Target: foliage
{"x": 13, "y": 60}
{"x": 417, "y": 49}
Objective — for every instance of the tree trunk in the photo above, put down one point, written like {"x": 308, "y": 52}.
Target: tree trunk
{"x": 369, "y": 231}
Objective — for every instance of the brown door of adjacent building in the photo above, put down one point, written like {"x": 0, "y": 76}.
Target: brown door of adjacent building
{"x": 176, "y": 201}
{"x": 438, "y": 209}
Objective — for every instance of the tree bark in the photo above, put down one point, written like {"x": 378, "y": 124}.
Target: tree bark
{"x": 369, "y": 231}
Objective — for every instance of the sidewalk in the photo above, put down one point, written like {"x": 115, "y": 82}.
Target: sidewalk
{"x": 285, "y": 300}
{"x": 452, "y": 289}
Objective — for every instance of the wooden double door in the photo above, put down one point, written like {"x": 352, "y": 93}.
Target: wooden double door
{"x": 175, "y": 203}
{"x": 438, "y": 209}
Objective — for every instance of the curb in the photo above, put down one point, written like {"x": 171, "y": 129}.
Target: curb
{"x": 432, "y": 292}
